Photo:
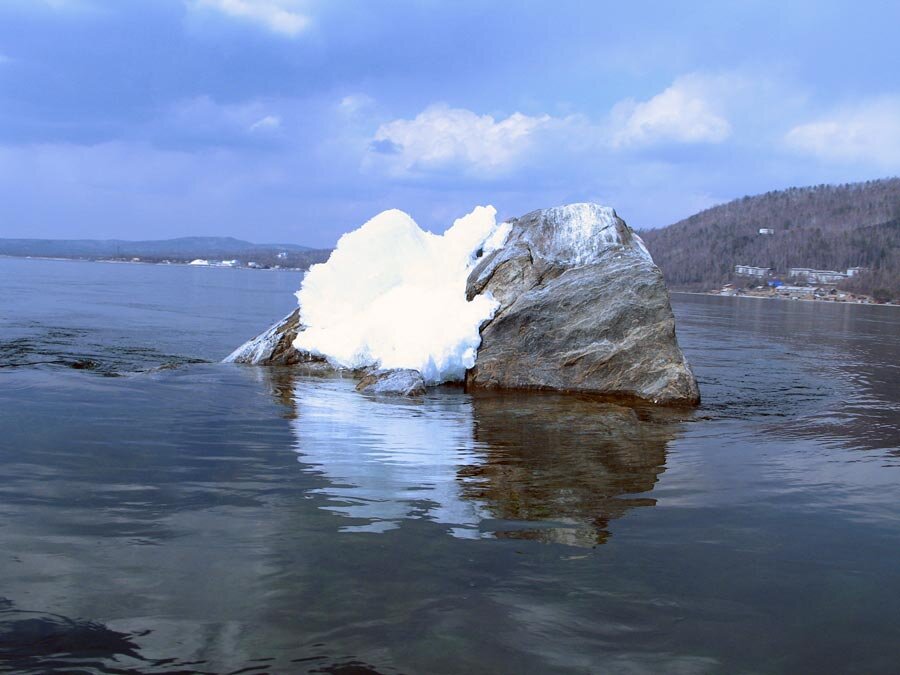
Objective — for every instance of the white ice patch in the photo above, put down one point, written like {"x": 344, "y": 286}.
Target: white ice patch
{"x": 393, "y": 295}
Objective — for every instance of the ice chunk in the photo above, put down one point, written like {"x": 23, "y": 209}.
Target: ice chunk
{"x": 394, "y": 296}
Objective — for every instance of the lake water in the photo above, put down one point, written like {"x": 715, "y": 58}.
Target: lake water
{"x": 161, "y": 512}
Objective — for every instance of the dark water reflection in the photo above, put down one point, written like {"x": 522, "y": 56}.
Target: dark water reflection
{"x": 570, "y": 461}
{"x": 212, "y": 518}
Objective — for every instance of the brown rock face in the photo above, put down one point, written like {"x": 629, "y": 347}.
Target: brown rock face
{"x": 582, "y": 308}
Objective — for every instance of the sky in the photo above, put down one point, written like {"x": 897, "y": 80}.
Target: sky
{"x": 297, "y": 120}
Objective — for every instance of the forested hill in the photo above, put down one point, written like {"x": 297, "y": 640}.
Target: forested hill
{"x": 831, "y": 227}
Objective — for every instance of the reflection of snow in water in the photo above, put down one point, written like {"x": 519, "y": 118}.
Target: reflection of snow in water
{"x": 387, "y": 460}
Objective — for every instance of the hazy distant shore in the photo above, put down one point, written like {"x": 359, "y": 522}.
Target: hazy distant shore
{"x": 171, "y": 263}
{"x": 790, "y": 299}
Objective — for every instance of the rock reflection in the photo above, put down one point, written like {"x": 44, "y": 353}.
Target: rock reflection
{"x": 549, "y": 467}
{"x": 566, "y": 462}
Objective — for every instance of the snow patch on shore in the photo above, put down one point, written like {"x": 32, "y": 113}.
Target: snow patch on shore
{"x": 394, "y": 296}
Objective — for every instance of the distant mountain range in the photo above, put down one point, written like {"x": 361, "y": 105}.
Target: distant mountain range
{"x": 830, "y": 227}
{"x": 183, "y": 249}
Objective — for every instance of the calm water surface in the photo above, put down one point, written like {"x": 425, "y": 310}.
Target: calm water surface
{"x": 161, "y": 512}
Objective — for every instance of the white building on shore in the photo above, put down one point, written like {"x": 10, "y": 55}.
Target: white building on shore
{"x": 816, "y": 276}
{"x": 750, "y": 271}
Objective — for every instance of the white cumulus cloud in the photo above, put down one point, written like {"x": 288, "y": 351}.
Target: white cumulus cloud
{"x": 867, "y": 132}
{"x": 278, "y": 16}
{"x": 689, "y": 111}
{"x": 441, "y": 138}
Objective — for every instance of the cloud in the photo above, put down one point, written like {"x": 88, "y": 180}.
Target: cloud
{"x": 689, "y": 111}
{"x": 445, "y": 140}
{"x": 201, "y": 121}
{"x": 441, "y": 138}
{"x": 267, "y": 123}
{"x": 278, "y": 16}
{"x": 865, "y": 133}
{"x": 354, "y": 104}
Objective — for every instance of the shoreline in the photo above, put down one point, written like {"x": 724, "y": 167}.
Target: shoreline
{"x": 775, "y": 297}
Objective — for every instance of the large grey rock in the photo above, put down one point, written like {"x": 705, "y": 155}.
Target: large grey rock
{"x": 582, "y": 308}
{"x": 395, "y": 382}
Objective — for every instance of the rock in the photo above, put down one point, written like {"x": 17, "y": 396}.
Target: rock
{"x": 582, "y": 308}
{"x": 275, "y": 348}
{"x": 397, "y": 382}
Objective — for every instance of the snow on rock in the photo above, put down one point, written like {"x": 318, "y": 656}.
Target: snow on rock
{"x": 578, "y": 234}
{"x": 394, "y": 296}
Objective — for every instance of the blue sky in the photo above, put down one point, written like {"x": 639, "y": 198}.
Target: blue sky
{"x": 296, "y": 120}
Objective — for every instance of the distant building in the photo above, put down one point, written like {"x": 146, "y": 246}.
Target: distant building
{"x": 199, "y": 262}
{"x": 853, "y": 271}
{"x": 750, "y": 271}
{"x": 817, "y": 276}
{"x": 766, "y": 230}
{"x": 794, "y": 290}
